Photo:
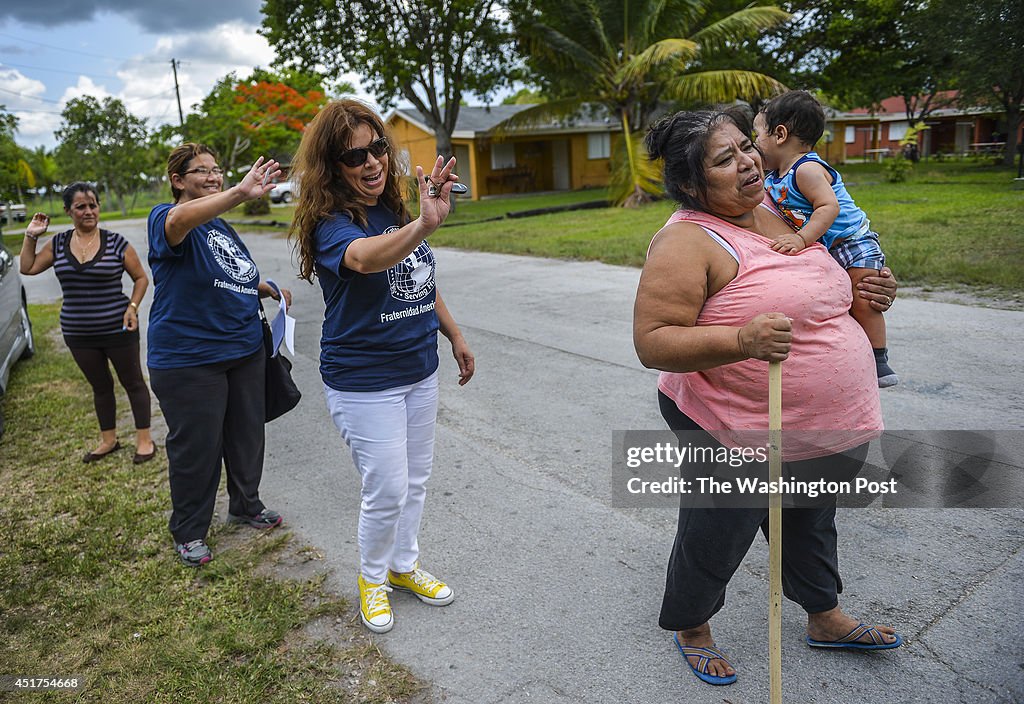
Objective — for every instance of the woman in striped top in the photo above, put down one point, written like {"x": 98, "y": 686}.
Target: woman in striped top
{"x": 99, "y": 322}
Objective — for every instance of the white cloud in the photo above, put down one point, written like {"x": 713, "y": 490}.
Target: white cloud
{"x": 23, "y": 96}
{"x": 205, "y": 57}
{"x": 19, "y": 90}
{"x": 84, "y": 87}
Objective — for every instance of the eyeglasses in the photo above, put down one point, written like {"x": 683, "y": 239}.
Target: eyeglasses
{"x": 203, "y": 171}
{"x": 357, "y": 157}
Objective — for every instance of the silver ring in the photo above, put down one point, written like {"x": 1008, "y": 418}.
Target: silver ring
{"x": 433, "y": 191}
{"x": 888, "y": 300}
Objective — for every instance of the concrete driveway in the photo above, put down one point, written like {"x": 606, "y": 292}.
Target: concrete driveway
{"x": 558, "y": 592}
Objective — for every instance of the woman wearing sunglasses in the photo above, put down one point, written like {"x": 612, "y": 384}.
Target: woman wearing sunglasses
{"x": 206, "y": 357}
{"x": 378, "y": 356}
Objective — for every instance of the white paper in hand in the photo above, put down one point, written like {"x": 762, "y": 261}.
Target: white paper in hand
{"x": 282, "y": 327}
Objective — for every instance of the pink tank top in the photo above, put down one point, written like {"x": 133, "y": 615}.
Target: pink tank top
{"x": 828, "y": 382}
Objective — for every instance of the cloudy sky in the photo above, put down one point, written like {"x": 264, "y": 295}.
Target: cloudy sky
{"x": 52, "y": 51}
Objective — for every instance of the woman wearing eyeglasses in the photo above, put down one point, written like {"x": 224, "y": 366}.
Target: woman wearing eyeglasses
{"x": 378, "y": 356}
{"x": 205, "y": 347}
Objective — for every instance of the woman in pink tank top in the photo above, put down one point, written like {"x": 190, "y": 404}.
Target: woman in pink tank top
{"x": 715, "y": 304}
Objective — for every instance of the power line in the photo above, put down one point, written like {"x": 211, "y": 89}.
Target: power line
{"x": 42, "y": 112}
{"x": 58, "y": 102}
{"x": 30, "y": 97}
{"x": 74, "y": 51}
{"x": 57, "y": 70}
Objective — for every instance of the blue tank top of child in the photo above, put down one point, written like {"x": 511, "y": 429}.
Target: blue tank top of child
{"x": 796, "y": 209}
{"x": 205, "y": 298}
{"x": 380, "y": 329}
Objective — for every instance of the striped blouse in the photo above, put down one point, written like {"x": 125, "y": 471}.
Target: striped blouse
{"x": 94, "y": 302}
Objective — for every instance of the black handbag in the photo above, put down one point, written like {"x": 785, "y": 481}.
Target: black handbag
{"x": 281, "y": 393}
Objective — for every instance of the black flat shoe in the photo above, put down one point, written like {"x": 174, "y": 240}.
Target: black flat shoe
{"x": 140, "y": 458}
{"x": 93, "y": 457}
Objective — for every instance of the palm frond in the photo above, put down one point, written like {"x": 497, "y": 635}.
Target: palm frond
{"x": 741, "y": 25}
{"x": 25, "y": 173}
{"x": 658, "y": 54}
{"x": 722, "y": 86}
{"x": 598, "y": 29}
{"x": 552, "y": 111}
{"x": 671, "y": 17}
{"x": 556, "y": 47}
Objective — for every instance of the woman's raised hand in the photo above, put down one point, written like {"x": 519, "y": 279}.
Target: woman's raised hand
{"x": 260, "y": 179}
{"x": 38, "y": 225}
{"x": 767, "y": 337}
{"x": 435, "y": 208}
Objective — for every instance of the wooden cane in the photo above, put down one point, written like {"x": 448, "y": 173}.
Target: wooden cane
{"x": 775, "y": 534}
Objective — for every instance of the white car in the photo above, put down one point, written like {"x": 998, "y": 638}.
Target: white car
{"x": 17, "y": 212}
{"x": 285, "y": 192}
{"x": 16, "y": 340}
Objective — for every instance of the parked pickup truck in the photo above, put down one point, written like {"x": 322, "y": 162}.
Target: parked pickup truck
{"x": 17, "y": 211}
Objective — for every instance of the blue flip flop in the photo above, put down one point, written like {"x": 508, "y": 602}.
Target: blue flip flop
{"x": 849, "y": 641}
{"x": 706, "y": 655}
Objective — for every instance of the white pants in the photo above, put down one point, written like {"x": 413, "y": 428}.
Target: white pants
{"x": 391, "y": 436}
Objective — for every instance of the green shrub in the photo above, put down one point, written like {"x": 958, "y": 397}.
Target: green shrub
{"x": 898, "y": 169}
{"x": 259, "y": 206}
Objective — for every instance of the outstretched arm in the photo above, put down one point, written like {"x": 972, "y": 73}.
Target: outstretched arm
{"x": 185, "y": 216}
{"x": 368, "y": 255}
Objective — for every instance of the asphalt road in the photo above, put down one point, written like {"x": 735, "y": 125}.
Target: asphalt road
{"x": 558, "y": 591}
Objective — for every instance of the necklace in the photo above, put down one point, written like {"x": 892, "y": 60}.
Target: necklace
{"x": 85, "y": 250}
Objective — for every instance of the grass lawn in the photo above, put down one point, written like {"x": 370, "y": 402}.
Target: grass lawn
{"x": 90, "y": 587}
{"x": 950, "y": 224}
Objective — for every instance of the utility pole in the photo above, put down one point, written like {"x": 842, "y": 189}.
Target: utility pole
{"x": 181, "y": 116}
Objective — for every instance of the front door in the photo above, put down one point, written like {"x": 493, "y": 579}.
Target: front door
{"x": 462, "y": 164}
{"x": 560, "y": 164}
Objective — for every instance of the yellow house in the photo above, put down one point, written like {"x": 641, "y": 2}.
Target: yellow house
{"x": 557, "y": 156}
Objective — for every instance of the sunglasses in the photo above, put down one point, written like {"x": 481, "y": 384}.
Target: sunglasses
{"x": 357, "y": 157}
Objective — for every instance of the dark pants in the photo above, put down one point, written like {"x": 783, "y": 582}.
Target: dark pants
{"x": 710, "y": 543}
{"x": 125, "y": 358}
{"x": 213, "y": 412}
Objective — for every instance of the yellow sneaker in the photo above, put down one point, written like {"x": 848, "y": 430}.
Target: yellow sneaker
{"x": 424, "y": 585}
{"x": 374, "y": 607}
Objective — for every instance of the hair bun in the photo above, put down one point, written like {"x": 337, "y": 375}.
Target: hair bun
{"x": 657, "y": 137}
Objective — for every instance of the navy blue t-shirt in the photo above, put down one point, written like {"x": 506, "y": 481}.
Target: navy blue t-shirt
{"x": 205, "y": 298}
{"x": 380, "y": 330}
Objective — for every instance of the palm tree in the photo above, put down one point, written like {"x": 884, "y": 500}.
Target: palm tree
{"x": 24, "y": 174}
{"x": 627, "y": 56}
{"x": 45, "y": 167}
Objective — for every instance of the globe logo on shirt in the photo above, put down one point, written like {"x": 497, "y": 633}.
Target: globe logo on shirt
{"x": 412, "y": 279}
{"x": 231, "y": 257}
